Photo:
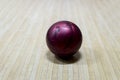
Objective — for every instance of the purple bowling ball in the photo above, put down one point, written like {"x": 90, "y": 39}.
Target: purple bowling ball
{"x": 64, "y": 39}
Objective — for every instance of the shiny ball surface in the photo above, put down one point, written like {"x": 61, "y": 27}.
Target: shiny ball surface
{"x": 64, "y": 39}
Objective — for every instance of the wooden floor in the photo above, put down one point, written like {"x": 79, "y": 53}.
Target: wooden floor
{"x": 23, "y": 51}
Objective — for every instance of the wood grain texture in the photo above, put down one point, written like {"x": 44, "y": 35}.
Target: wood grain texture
{"x": 23, "y": 51}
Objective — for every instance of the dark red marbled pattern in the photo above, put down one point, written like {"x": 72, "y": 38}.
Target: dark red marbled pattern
{"x": 64, "y": 38}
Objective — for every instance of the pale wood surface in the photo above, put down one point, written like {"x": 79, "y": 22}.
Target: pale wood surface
{"x": 23, "y": 51}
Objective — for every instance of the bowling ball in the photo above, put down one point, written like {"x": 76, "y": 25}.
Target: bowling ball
{"x": 64, "y": 39}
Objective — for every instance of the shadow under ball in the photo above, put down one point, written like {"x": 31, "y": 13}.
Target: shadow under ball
{"x": 64, "y": 39}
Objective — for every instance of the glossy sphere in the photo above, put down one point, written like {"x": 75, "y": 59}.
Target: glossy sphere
{"x": 64, "y": 39}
